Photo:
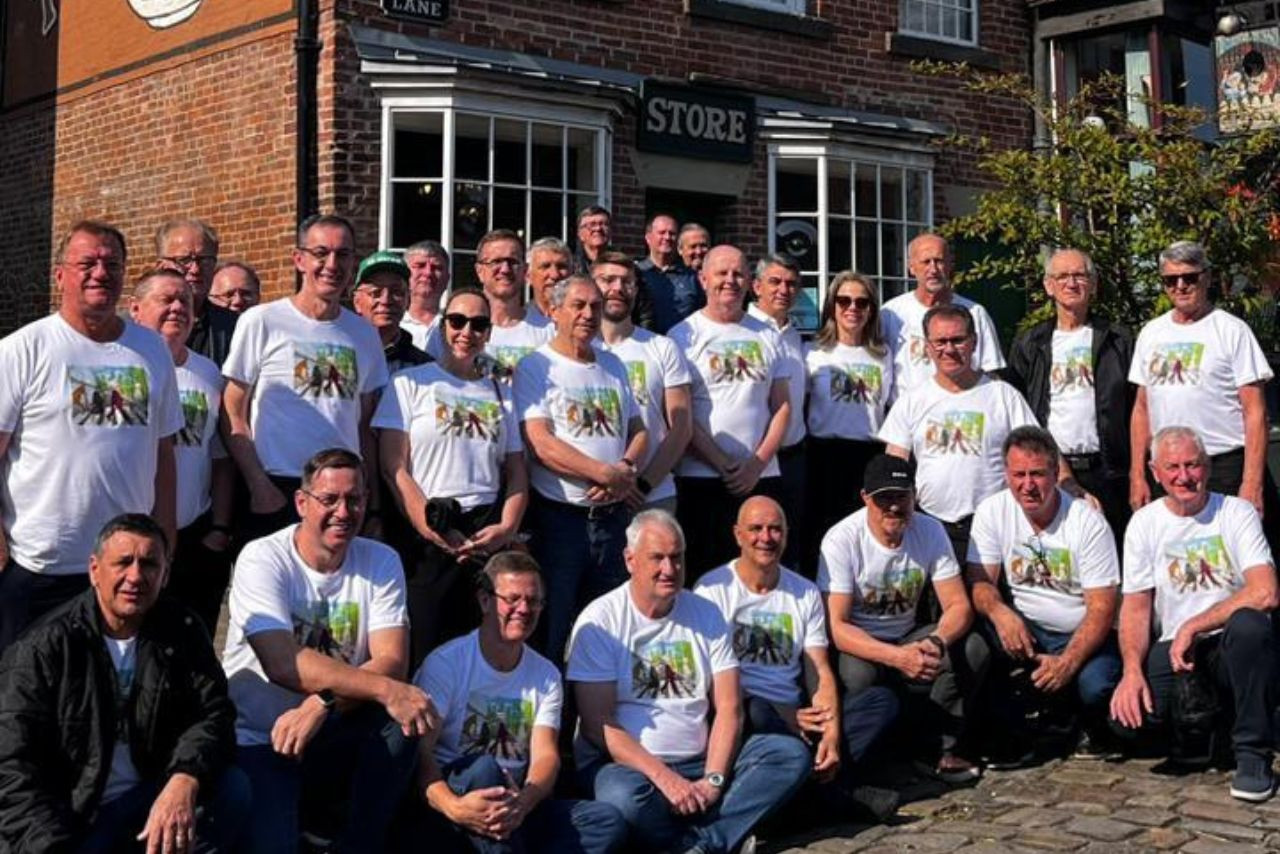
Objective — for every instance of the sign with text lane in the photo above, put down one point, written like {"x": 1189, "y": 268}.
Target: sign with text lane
{"x": 425, "y": 11}
{"x": 688, "y": 122}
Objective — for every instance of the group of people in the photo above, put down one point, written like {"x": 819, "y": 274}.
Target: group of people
{"x": 636, "y": 477}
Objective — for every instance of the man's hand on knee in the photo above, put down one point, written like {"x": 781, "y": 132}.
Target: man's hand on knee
{"x": 171, "y": 824}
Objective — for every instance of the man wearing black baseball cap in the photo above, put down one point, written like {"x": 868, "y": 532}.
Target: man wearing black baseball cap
{"x": 872, "y": 571}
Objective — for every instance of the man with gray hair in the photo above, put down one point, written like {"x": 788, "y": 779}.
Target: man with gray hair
{"x": 1198, "y": 572}
{"x": 671, "y": 284}
{"x": 189, "y": 247}
{"x": 549, "y": 261}
{"x": 428, "y": 264}
{"x": 1202, "y": 367}
{"x": 693, "y": 245}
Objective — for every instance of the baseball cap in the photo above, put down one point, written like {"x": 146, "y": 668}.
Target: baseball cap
{"x": 885, "y": 472}
{"x": 382, "y": 260}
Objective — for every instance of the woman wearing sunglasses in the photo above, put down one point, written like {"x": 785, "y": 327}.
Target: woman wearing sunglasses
{"x": 453, "y": 456}
{"x": 850, "y": 375}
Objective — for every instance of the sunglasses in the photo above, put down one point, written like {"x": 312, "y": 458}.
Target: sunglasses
{"x": 479, "y": 324}
{"x": 1172, "y": 280}
{"x": 843, "y": 301}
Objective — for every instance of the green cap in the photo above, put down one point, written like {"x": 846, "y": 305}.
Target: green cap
{"x": 382, "y": 260}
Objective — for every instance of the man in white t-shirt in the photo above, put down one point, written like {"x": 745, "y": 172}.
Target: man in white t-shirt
{"x": 954, "y": 425}
{"x": 428, "y": 264}
{"x": 658, "y": 375}
{"x": 303, "y": 375}
{"x": 488, "y": 772}
{"x": 741, "y": 409}
{"x": 549, "y": 261}
{"x": 650, "y": 663}
{"x": 873, "y": 569}
{"x": 500, "y": 265}
{"x": 1198, "y": 574}
{"x": 930, "y": 262}
{"x": 586, "y": 440}
{"x": 316, "y": 657}
{"x": 1057, "y": 556}
{"x": 1199, "y": 366}
{"x": 779, "y": 631}
{"x": 88, "y": 414}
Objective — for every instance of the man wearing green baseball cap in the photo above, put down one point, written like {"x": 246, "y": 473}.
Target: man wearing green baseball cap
{"x": 381, "y": 295}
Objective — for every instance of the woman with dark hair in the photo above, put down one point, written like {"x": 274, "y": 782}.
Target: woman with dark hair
{"x": 850, "y": 376}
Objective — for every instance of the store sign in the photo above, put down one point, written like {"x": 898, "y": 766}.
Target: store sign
{"x": 691, "y": 122}
{"x": 425, "y": 11}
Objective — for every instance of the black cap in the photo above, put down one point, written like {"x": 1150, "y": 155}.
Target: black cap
{"x": 885, "y": 472}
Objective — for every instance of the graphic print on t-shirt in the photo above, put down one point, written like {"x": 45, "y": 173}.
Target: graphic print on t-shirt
{"x": 590, "y": 411}
{"x": 1035, "y": 565}
{"x": 1201, "y": 563}
{"x": 467, "y": 417}
{"x": 955, "y": 433}
{"x": 109, "y": 396}
{"x": 898, "y": 593}
{"x": 195, "y": 416}
{"x": 498, "y": 726}
{"x": 499, "y": 361}
{"x": 663, "y": 669}
{"x": 769, "y": 638}
{"x": 1074, "y": 374}
{"x": 917, "y": 350}
{"x": 736, "y": 361}
{"x": 637, "y": 374}
{"x": 855, "y": 384}
{"x": 331, "y": 629}
{"x": 325, "y": 370}
{"x": 1175, "y": 364}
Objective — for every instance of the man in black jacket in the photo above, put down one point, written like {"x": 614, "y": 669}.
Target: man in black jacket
{"x": 1073, "y": 370}
{"x": 115, "y": 723}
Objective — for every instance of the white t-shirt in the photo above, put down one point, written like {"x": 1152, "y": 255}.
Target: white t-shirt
{"x": 508, "y": 345}
{"x": 1193, "y": 373}
{"x": 485, "y": 711}
{"x": 902, "y": 319}
{"x": 86, "y": 419}
{"x": 734, "y": 367}
{"x": 1073, "y": 412}
{"x": 654, "y": 364}
{"x": 955, "y": 439}
{"x": 123, "y": 774}
{"x": 664, "y": 669}
{"x": 848, "y": 391}
{"x": 791, "y": 352}
{"x": 885, "y": 583}
{"x": 307, "y": 377}
{"x": 425, "y": 336}
{"x": 459, "y": 432}
{"x": 197, "y": 443}
{"x": 334, "y": 613}
{"x": 1048, "y": 571}
{"x": 1192, "y": 562}
{"x": 771, "y": 630}
{"x": 589, "y": 405}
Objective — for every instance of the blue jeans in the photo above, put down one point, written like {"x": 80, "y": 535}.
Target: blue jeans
{"x": 1100, "y": 674}
{"x": 766, "y": 773}
{"x": 359, "y": 759}
{"x": 863, "y": 719}
{"x": 220, "y": 812}
{"x": 580, "y": 553}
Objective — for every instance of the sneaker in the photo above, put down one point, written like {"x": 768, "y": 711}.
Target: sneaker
{"x": 1253, "y": 780}
{"x": 955, "y": 769}
{"x": 1095, "y": 746}
{"x": 748, "y": 845}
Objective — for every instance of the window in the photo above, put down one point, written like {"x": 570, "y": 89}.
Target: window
{"x": 833, "y": 211}
{"x": 945, "y": 20}
{"x": 455, "y": 174}
{"x": 792, "y": 7}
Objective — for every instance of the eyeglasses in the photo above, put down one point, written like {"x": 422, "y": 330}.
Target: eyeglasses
{"x": 514, "y": 599}
{"x": 1063, "y": 278}
{"x": 479, "y": 324}
{"x": 497, "y": 263}
{"x": 1189, "y": 280}
{"x": 959, "y": 342}
{"x": 323, "y": 253}
{"x": 330, "y": 502}
{"x": 186, "y": 262}
{"x": 843, "y": 301}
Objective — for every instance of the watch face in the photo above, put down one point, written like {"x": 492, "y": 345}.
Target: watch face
{"x": 716, "y": 780}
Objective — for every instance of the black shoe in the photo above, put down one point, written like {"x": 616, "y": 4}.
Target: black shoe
{"x": 1011, "y": 754}
{"x": 874, "y": 803}
{"x": 1096, "y": 746}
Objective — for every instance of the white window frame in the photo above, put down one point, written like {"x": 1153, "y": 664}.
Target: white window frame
{"x": 936, "y": 6}
{"x": 787, "y": 7}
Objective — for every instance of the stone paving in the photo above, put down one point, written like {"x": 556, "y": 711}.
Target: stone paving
{"x": 1063, "y": 805}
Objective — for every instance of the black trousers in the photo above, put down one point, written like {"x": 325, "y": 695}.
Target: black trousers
{"x": 834, "y": 485}
{"x": 198, "y": 577}
{"x": 707, "y": 513}
{"x": 258, "y": 525}
{"x": 1112, "y": 491}
{"x": 25, "y": 596}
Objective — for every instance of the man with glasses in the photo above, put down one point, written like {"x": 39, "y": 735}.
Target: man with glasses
{"x": 189, "y": 247}
{"x": 428, "y": 264}
{"x": 235, "y": 287}
{"x": 89, "y": 410}
{"x": 500, "y": 260}
{"x": 303, "y": 374}
{"x": 1073, "y": 370}
{"x": 488, "y": 772}
{"x": 316, "y": 660}
{"x": 381, "y": 291}
{"x": 1201, "y": 367}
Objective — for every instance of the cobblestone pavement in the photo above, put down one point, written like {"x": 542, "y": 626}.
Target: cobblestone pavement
{"x": 1062, "y": 805}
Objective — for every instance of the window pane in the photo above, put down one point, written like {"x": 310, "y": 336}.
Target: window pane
{"x": 546, "y": 216}
{"x": 892, "y": 254}
{"x": 890, "y": 288}
{"x": 950, "y": 23}
{"x": 890, "y": 192}
{"x": 582, "y": 159}
{"x": 415, "y": 213}
{"x": 509, "y": 153}
{"x": 464, "y": 271}
{"x": 798, "y": 237}
{"x": 470, "y": 214}
{"x": 838, "y": 187}
{"x": 508, "y": 210}
{"x": 797, "y": 185}
{"x": 808, "y": 307}
{"x": 864, "y": 201}
{"x": 418, "y": 145}
{"x": 471, "y": 154}
{"x": 839, "y": 245}
{"x": 913, "y": 16}
{"x": 866, "y": 257}
{"x": 966, "y": 27}
{"x": 548, "y": 165}
{"x": 917, "y": 189}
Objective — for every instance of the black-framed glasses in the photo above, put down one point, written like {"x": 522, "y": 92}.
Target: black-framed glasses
{"x": 330, "y": 501}
{"x": 323, "y": 253}
{"x": 479, "y": 323}
{"x": 188, "y": 261}
{"x": 959, "y": 342}
{"x": 512, "y": 600}
{"x": 844, "y": 301}
{"x": 497, "y": 263}
{"x": 1173, "y": 280}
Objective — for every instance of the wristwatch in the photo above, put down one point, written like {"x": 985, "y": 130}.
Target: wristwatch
{"x": 327, "y": 699}
{"x": 715, "y": 780}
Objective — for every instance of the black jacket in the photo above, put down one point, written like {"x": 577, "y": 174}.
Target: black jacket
{"x": 58, "y": 718}
{"x": 1031, "y": 358}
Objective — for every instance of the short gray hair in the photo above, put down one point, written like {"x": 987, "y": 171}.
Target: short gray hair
{"x": 1172, "y": 433}
{"x": 650, "y": 517}
{"x": 428, "y": 247}
{"x": 1059, "y": 250}
{"x": 691, "y": 227}
{"x": 560, "y": 289}
{"x": 206, "y": 231}
{"x": 776, "y": 259}
{"x": 1185, "y": 252}
{"x": 547, "y": 244}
